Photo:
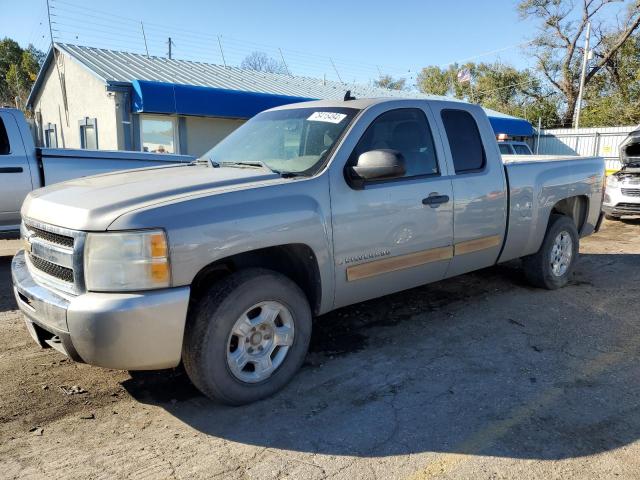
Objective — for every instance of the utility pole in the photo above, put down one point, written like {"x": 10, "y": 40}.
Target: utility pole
{"x": 170, "y": 43}
{"x": 585, "y": 60}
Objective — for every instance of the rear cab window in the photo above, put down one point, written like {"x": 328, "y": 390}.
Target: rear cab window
{"x": 505, "y": 148}
{"x": 465, "y": 143}
{"x": 522, "y": 149}
{"x": 5, "y": 147}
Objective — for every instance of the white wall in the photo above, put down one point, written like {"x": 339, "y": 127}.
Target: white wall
{"x": 86, "y": 97}
{"x": 203, "y": 133}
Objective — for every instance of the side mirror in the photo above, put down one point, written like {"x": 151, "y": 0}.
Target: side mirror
{"x": 378, "y": 165}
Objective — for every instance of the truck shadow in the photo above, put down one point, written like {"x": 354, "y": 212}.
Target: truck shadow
{"x": 479, "y": 364}
{"x": 7, "y": 301}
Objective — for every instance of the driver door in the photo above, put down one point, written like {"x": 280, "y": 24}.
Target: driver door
{"x": 388, "y": 236}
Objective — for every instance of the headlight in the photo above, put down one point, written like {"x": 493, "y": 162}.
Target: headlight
{"x": 612, "y": 181}
{"x": 119, "y": 261}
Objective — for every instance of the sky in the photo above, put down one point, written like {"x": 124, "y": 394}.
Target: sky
{"x": 350, "y": 41}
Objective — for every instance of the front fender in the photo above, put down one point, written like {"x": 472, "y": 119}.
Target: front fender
{"x": 210, "y": 228}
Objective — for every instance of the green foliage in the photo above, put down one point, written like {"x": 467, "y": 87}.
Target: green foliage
{"x": 496, "y": 86}
{"x": 18, "y": 70}
{"x": 388, "y": 82}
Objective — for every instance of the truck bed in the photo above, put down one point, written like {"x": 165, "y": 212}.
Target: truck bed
{"x": 536, "y": 184}
{"x": 58, "y": 164}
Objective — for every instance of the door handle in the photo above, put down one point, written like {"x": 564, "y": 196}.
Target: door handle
{"x": 10, "y": 169}
{"x": 434, "y": 200}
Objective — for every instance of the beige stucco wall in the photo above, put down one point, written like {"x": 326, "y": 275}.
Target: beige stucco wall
{"x": 86, "y": 97}
{"x": 203, "y": 133}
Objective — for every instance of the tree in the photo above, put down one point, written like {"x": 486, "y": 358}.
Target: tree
{"x": 557, "y": 47}
{"x": 613, "y": 95}
{"x": 388, "y": 82}
{"x": 494, "y": 85}
{"x": 18, "y": 70}
{"x": 261, "y": 62}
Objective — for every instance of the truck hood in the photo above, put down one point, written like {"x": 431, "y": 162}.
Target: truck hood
{"x": 93, "y": 203}
{"x": 630, "y": 149}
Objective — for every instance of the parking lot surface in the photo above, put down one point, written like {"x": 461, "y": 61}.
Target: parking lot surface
{"x": 479, "y": 376}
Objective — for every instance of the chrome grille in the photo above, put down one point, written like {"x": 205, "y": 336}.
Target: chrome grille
{"x": 55, "y": 255}
{"x": 631, "y": 192}
{"x": 50, "y": 236}
{"x": 63, "y": 273}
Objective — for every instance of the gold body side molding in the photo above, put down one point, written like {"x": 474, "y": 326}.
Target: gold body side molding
{"x": 477, "y": 244}
{"x": 386, "y": 265}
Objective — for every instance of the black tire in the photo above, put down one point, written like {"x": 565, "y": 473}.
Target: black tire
{"x": 210, "y": 323}
{"x": 612, "y": 217}
{"x": 537, "y": 267}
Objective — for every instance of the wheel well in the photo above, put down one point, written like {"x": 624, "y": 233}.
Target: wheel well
{"x": 574, "y": 207}
{"x": 296, "y": 261}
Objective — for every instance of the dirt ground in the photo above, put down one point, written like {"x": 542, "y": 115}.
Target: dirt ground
{"x": 478, "y": 377}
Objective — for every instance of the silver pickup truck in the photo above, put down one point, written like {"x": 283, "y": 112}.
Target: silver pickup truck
{"x": 222, "y": 264}
{"x": 25, "y": 167}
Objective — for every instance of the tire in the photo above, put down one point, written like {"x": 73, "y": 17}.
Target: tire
{"x": 209, "y": 343}
{"x": 538, "y": 267}
{"x": 612, "y": 217}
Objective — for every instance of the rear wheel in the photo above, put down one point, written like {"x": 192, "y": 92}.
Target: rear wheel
{"x": 552, "y": 266}
{"x": 247, "y": 337}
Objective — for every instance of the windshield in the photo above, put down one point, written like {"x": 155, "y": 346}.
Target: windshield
{"x": 287, "y": 141}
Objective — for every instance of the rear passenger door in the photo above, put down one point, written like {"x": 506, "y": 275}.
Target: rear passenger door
{"x": 15, "y": 176}
{"x": 479, "y": 187}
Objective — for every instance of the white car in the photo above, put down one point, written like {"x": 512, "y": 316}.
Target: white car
{"x": 622, "y": 195}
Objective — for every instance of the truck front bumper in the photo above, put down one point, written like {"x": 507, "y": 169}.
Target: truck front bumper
{"x": 129, "y": 331}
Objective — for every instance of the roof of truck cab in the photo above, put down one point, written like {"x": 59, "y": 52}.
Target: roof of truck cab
{"x": 360, "y": 103}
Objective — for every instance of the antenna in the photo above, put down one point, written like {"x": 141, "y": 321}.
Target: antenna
{"x": 348, "y": 96}
{"x": 222, "y": 51}
{"x": 145, "y": 39}
{"x": 170, "y": 43}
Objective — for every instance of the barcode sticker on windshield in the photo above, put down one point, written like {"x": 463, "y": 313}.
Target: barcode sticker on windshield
{"x": 330, "y": 117}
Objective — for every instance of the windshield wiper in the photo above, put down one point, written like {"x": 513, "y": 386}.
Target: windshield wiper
{"x": 252, "y": 163}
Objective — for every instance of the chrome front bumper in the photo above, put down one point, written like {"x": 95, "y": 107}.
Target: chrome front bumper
{"x": 129, "y": 331}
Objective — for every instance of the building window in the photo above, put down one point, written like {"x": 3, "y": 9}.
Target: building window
{"x": 51, "y": 135}
{"x": 158, "y": 134}
{"x": 88, "y": 133}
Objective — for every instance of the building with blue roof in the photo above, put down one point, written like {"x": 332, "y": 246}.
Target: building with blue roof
{"x": 87, "y": 97}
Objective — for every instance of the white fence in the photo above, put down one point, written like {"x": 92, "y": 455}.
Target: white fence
{"x": 604, "y": 142}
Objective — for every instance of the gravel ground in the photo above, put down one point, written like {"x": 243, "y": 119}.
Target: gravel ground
{"x": 475, "y": 377}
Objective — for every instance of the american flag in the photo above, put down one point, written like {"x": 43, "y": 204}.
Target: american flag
{"x": 464, "y": 76}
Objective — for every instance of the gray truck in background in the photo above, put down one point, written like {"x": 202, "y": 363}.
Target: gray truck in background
{"x": 25, "y": 167}
{"x": 221, "y": 264}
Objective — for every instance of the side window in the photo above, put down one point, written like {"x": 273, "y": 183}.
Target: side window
{"x": 504, "y": 149}
{"x": 407, "y": 131}
{"x": 88, "y": 133}
{"x": 5, "y": 148}
{"x": 50, "y": 135}
{"x": 464, "y": 141}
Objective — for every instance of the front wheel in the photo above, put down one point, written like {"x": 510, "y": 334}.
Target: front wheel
{"x": 247, "y": 337}
{"x": 552, "y": 266}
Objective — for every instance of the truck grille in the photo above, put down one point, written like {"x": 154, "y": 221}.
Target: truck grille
{"x": 50, "y": 236}
{"x": 628, "y": 207}
{"x": 62, "y": 273}
{"x": 55, "y": 255}
{"x": 631, "y": 192}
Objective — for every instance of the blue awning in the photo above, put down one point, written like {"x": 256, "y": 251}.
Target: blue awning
{"x": 178, "y": 99}
{"x": 171, "y": 98}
